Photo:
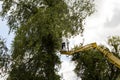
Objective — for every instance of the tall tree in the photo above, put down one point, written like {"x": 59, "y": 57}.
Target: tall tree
{"x": 92, "y": 65}
{"x": 39, "y": 26}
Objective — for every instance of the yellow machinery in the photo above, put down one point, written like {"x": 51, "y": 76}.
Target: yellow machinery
{"x": 113, "y": 59}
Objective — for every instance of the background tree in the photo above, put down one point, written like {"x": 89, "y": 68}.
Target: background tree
{"x": 39, "y": 26}
{"x": 92, "y": 65}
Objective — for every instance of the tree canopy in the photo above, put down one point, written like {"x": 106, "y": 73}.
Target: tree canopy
{"x": 39, "y": 26}
{"x": 92, "y": 65}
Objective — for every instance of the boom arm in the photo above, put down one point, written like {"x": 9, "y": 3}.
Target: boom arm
{"x": 113, "y": 59}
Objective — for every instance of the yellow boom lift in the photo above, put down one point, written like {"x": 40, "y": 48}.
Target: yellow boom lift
{"x": 113, "y": 59}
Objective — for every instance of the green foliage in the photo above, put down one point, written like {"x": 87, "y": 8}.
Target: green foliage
{"x": 66, "y": 15}
{"x": 4, "y": 58}
{"x": 39, "y": 26}
{"x": 92, "y": 65}
{"x": 114, "y": 41}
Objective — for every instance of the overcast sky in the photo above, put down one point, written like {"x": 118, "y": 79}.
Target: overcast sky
{"x": 103, "y": 23}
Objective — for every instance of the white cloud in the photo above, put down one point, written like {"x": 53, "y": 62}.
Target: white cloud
{"x": 67, "y": 69}
{"x": 97, "y": 26}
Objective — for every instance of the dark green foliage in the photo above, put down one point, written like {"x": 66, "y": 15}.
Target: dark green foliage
{"x": 39, "y": 26}
{"x": 4, "y": 58}
{"x": 67, "y": 15}
{"x": 92, "y": 65}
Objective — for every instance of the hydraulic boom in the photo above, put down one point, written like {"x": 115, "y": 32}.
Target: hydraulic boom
{"x": 113, "y": 59}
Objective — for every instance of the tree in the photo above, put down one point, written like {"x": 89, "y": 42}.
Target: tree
{"x": 39, "y": 26}
{"x": 92, "y": 65}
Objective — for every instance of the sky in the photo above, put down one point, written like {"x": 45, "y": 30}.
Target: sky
{"x": 4, "y": 31}
{"x": 99, "y": 26}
